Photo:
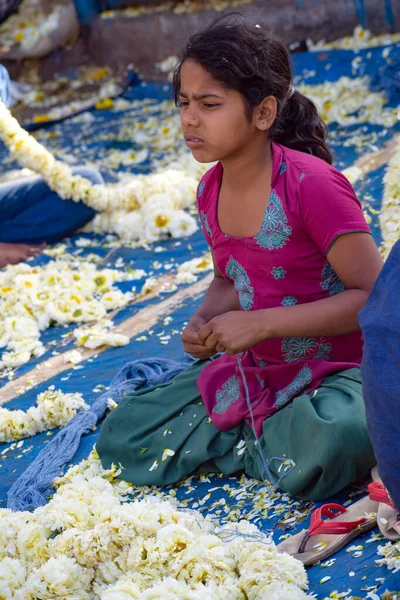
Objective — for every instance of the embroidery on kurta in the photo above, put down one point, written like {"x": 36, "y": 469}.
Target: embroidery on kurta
{"x": 304, "y": 348}
{"x": 237, "y": 273}
{"x": 201, "y": 189}
{"x": 203, "y": 217}
{"x": 275, "y": 231}
{"x": 302, "y": 380}
{"x": 289, "y": 301}
{"x": 227, "y": 395}
{"x": 260, "y": 381}
{"x": 330, "y": 281}
{"x": 278, "y": 272}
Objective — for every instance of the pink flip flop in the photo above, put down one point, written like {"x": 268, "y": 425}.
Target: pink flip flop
{"x": 326, "y": 537}
{"x": 388, "y": 518}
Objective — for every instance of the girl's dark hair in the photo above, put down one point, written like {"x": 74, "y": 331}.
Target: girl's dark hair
{"x": 256, "y": 63}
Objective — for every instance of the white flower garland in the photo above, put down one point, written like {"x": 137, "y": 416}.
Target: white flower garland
{"x": 89, "y": 543}
{"x": 54, "y": 409}
{"x": 390, "y": 211}
{"x": 158, "y": 200}
{"x": 60, "y": 292}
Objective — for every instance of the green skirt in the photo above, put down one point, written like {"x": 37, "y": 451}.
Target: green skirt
{"x": 163, "y": 434}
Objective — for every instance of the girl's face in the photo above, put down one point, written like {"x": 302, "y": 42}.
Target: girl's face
{"x": 213, "y": 118}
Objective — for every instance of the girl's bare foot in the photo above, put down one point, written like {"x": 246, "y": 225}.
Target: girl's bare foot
{"x": 10, "y": 254}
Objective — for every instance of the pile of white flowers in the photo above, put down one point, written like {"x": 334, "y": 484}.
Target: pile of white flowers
{"x": 348, "y": 101}
{"x": 28, "y": 26}
{"x": 188, "y": 271}
{"x": 58, "y": 293}
{"x": 99, "y": 335}
{"x": 390, "y": 211}
{"x": 144, "y": 208}
{"x": 391, "y": 556}
{"x": 361, "y": 38}
{"x": 54, "y": 409}
{"x": 88, "y": 544}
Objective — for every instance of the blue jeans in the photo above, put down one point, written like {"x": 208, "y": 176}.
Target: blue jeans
{"x": 380, "y": 369}
{"x": 31, "y": 213}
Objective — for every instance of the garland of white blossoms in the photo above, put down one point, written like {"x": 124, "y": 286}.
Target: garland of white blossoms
{"x": 88, "y": 543}
{"x": 54, "y": 409}
{"x": 160, "y": 199}
{"x": 390, "y": 211}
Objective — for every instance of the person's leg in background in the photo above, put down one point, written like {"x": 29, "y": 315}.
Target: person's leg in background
{"x": 380, "y": 325}
{"x": 31, "y": 213}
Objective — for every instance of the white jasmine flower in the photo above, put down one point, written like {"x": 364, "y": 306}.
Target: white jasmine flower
{"x": 352, "y": 173}
{"x": 391, "y": 556}
{"x": 149, "y": 285}
{"x": 99, "y": 335}
{"x": 12, "y": 576}
{"x": 182, "y": 225}
{"x": 187, "y": 272}
{"x": 168, "y": 64}
{"x": 60, "y": 577}
{"x": 73, "y": 356}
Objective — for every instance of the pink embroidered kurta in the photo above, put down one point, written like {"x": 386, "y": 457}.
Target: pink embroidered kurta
{"x": 310, "y": 205}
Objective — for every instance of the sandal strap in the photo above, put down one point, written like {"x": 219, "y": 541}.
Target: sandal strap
{"x": 378, "y": 493}
{"x": 319, "y": 526}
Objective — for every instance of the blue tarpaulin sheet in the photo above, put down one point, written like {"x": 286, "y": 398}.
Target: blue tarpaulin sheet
{"x": 90, "y": 140}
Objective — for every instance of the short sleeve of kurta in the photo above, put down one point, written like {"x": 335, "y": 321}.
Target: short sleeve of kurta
{"x": 329, "y": 207}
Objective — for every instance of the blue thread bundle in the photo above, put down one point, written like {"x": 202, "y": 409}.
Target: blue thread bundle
{"x": 33, "y": 487}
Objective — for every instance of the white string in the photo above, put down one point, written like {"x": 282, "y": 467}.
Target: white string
{"x": 266, "y": 473}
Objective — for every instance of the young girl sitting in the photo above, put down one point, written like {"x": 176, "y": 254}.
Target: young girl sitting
{"x": 294, "y": 263}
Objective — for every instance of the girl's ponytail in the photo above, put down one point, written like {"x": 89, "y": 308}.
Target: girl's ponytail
{"x": 300, "y": 127}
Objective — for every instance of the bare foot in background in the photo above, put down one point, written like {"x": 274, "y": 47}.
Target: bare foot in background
{"x": 11, "y": 254}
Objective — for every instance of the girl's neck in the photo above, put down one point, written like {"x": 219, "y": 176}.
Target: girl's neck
{"x": 250, "y": 165}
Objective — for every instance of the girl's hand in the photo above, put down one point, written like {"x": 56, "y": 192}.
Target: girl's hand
{"x": 232, "y": 332}
{"x": 191, "y": 343}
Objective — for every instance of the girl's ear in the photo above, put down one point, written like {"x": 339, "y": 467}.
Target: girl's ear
{"x": 264, "y": 114}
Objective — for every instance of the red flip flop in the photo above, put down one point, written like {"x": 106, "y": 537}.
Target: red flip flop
{"x": 388, "y": 518}
{"x": 325, "y": 537}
